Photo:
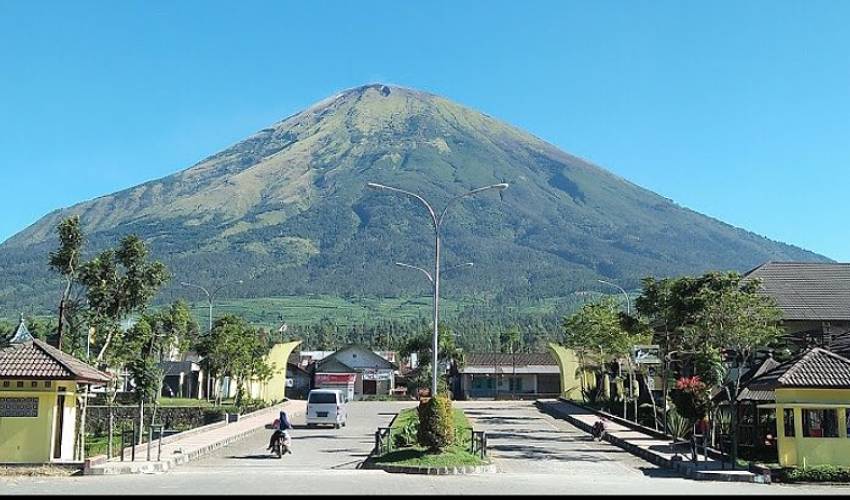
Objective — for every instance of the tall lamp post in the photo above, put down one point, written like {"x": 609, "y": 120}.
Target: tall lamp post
{"x": 210, "y": 296}
{"x": 628, "y": 300}
{"x": 437, "y": 222}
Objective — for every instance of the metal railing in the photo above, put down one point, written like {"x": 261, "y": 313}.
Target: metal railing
{"x": 697, "y": 442}
{"x": 478, "y": 444}
{"x": 161, "y": 430}
{"x": 383, "y": 440}
{"x": 131, "y": 433}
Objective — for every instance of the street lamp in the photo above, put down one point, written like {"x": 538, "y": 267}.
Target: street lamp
{"x": 628, "y": 300}
{"x": 210, "y": 295}
{"x": 437, "y": 223}
{"x": 427, "y": 274}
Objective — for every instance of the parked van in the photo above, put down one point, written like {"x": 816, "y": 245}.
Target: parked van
{"x": 326, "y": 406}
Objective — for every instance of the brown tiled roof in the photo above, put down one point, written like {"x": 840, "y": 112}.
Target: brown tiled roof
{"x": 816, "y": 368}
{"x": 38, "y": 360}
{"x": 752, "y": 394}
{"x": 804, "y": 291}
{"x": 507, "y": 359}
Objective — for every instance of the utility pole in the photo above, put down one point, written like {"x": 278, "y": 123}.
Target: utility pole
{"x": 437, "y": 222}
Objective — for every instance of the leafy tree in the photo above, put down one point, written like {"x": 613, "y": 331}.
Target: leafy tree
{"x": 234, "y": 349}
{"x": 119, "y": 283}
{"x": 738, "y": 321}
{"x": 597, "y": 334}
{"x": 154, "y": 338}
{"x": 449, "y": 353}
{"x": 66, "y": 260}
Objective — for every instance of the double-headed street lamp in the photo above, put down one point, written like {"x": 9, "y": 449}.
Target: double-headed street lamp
{"x": 628, "y": 300}
{"x": 211, "y": 295}
{"x": 427, "y": 274}
{"x": 437, "y": 222}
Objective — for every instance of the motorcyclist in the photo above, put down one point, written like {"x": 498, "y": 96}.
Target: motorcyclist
{"x": 598, "y": 431}
{"x": 282, "y": 425}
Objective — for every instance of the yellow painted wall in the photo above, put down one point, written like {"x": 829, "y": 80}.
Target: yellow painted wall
{"x": 273, "y": 390}
{"x": 570, "y": 376}
{"x": 808, "y": 451}
{"x": 30, "y": 439}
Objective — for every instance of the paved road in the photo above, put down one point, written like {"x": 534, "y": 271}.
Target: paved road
{"x": 535, "y": 453}
{"x": 321, "y": 448}
{"x": 524, "y": 440}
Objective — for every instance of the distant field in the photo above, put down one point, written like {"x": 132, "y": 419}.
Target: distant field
{"x": 272, "y": 312}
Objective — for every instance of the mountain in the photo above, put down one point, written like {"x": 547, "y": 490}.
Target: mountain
{"x": 289, "y": 210}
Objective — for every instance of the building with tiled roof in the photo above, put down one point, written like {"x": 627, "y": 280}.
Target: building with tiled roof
{"x": 816, "y": 368}
{"x": 39, "y": 387}
{"x": 814, "y": 298}
{"x": 812, "y": 393}
{"x": 505, "y": 375}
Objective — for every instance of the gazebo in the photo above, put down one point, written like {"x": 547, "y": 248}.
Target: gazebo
{"x": 39, "y": 388}
{"x": 812, "y": 407}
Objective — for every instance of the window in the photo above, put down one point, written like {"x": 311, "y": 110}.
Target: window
{"x": 322, "y": 398}
{"x": 18, "y": 407}
{"x": 820, "y": 423}
{"x": 788, "y": 417}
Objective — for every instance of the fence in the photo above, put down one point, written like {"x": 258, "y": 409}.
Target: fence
{"x": 129, "y": 439}
{"x": 384, "y": 442}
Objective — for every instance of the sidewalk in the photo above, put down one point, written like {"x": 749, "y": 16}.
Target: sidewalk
{"x": 652, "y": 449}
{"x": 194, "y": 444}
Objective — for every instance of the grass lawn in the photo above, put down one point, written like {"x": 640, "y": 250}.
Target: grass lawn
{"x": 456, "y": 455}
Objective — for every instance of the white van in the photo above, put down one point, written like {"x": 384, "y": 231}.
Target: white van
{"x": 326, "y": 406}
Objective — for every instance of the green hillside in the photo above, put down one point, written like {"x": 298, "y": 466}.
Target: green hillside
{"x": 287, "y": 210}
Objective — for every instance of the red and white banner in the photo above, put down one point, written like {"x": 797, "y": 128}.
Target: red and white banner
{"x": 335, "y": 378}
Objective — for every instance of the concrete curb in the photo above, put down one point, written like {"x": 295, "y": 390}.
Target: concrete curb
{"x": 683, "y": 467}
{"x": 432, "y": 471}
{"x": 114, "y": 467}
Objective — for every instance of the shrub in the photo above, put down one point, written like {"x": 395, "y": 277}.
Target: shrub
{"x": 691, "y": 397}
{"x": 406, "y": 436}
{"x": 820, "y": 473}
{"x": 436, "y": 424}
{"x": 678, "y": 426}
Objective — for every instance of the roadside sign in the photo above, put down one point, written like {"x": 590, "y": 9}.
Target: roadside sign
{"x": 646, "y": 354}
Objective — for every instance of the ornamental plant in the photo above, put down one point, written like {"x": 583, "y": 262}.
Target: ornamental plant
{"x": 692, "y": 398}
{"x": 436, "y": 425}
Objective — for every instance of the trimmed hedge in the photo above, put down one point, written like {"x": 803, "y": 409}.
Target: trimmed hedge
{"x": 819, "y": 474}
{"x": 436, "y": 424}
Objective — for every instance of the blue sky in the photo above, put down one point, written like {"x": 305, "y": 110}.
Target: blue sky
{"x": 737, "y": 109}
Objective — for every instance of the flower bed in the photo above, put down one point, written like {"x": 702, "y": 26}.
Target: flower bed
{"x": 406, "y": 453}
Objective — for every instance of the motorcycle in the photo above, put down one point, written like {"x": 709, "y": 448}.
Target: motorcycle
{"x": 281, "y": 445}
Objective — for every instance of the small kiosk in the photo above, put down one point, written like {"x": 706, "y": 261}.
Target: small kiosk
{"x": 39, "y": 388}
{"x": 812, "y": 408}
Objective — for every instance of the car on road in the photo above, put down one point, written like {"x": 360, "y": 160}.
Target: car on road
{"x": 326, "y": 407}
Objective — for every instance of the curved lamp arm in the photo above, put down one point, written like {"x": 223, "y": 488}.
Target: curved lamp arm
{"x": 434, "y": 220}
{"x": 426, "y": 273}
{"x": 501, "y": 187}
{"x": 199, "y": 287}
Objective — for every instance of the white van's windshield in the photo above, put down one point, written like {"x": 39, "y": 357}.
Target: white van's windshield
{"x": 322, "y": 398}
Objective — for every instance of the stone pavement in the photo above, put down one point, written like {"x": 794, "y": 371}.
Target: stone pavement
{"x": 651, "y": 448}
{"x": 194, "y": 444}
